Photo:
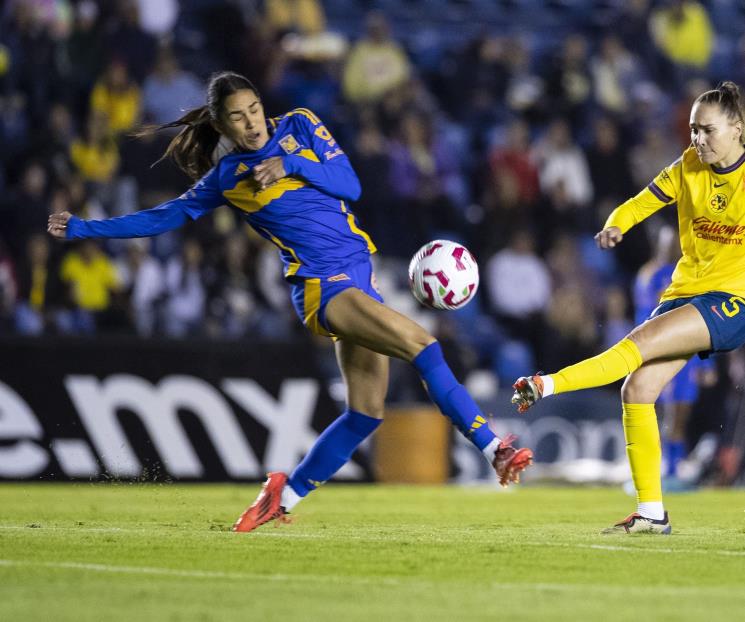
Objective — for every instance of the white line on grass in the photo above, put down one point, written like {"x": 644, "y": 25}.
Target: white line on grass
{"x": 347, "y": 579}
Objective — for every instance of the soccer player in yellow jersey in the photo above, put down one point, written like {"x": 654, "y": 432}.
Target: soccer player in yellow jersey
{"x": 703, "y": 309}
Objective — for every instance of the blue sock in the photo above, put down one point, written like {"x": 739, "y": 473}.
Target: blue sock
{"x": 451, "y": 397}
{"x": 332, "y": 450}
{"x": 675, "y": 451}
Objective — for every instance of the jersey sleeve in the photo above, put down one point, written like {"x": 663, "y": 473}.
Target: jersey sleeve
{"x": 201, "y": 198}
{"x": 662, "y": 191}
{"x": 333, "y": 173}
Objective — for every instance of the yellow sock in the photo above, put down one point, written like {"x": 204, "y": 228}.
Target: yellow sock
{"x": 643, "y": 449}
{"x": 613, "y": 364}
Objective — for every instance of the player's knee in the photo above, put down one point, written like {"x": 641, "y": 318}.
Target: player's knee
{"x": 417, "y": 341}
{"x": 635, "y": 391}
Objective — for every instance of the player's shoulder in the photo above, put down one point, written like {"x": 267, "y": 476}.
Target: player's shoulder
{"x": 298, "y": 115}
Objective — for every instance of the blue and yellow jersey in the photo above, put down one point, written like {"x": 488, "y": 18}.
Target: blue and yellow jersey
{"x": 711, "y": 221}
{"x": 306, "y": 213}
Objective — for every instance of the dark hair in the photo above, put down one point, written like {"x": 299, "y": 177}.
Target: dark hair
{"x": 192, "y": 147}
{"x": 727, "y": 97}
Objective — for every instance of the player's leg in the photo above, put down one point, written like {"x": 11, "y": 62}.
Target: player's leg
{"x": 356, "y": 317}
{"x": 674, "y": 334}
{"x": 639, "y": 393}
{"x": 365, "y": 374}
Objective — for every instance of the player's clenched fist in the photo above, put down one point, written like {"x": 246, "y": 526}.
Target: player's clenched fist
{"x": 57, "y": 224}
{"x": 269, "y": 171}
{"x": 608, "y": 237}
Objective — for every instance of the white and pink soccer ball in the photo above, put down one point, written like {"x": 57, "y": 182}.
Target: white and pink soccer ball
{"x": 443, "y": 275}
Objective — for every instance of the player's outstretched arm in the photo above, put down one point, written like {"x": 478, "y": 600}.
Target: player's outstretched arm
{"x": 608, "y": 237}
{"x": 204, "y": 196}
{"x": 142, "y": 224}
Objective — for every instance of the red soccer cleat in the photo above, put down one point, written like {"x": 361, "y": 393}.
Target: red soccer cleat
{"x": 266, "y": 507}
{"x": 510, "y": 462}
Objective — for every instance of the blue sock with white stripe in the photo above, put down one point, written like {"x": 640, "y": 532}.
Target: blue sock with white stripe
{"x": 331, "y": 451}
{"x": 453, "y": 400}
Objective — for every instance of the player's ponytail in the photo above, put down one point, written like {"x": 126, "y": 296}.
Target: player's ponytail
{"x": 727, "y": 97}
{"x": 193, "y": 146}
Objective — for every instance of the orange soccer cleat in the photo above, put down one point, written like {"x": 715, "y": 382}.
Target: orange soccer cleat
{"x": 510, "y": 462}
{"x": 267, "y": 505}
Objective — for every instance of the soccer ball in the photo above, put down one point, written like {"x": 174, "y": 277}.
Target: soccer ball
{"x": 443, "y": 275}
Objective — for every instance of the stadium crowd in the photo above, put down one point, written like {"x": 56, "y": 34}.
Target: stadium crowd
{"x": 464, "y": 124}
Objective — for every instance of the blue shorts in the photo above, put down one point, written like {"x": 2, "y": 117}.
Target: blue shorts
{"x": 723, "y": 313}
{"x": 310, "y": 295}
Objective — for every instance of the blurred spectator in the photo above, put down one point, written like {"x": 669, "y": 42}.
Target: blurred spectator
{"x": 682, "y": 31}
{"x": 519, "y": 287}
{"x": 92, "y": 279}
{"x": 650, "y": 156}
{"x": 169, "y": 90}
{"x": 614, "y": 72}
{"x": 95, "y": 155}
{"x": 15, "y": 129}
{"x": 568, "y": 81}
{"x": 423, "y": 174}
{"x": 117, "y": 98}
{"x": 126, "y": 40}
{"x": 525, "y": 87}
{"x": 26, "y": 209}
{"x": 610, "y": 170}
{"x": 53, "y": 147}
{"x": 38, "y": 287}
{"x": 617, "y": 323}
{"x": 142, "y": 282}
{"x": 513, "y": 157}
{"x": 85, "y": 53}
{"x": 572, "y": 326}
{"x": 376, "y": 63}
{"x": 563, "y": 165}
{"x": 375, "y": 208}
{"x": 232, "y": 303}
{"x": 186, "y": 293}
{"x": 303, "y": 16}
{"x": 158, "y": 18}
{"x": 8, "y": 288}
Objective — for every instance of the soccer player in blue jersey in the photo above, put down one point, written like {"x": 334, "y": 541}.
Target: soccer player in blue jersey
{"x": 292, "y": 182}
{"x": 703, "y": 309}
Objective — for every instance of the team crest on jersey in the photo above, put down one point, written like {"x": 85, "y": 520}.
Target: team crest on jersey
{"x": 289, "y": 144}
{"x": 241, "y": 168}
{"x": 718, "y": 202}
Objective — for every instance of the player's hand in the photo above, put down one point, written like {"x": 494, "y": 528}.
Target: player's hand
{"x": 608, "y": 237}
{"x": 57, "y": 224}
{"x": 269, "y": 171}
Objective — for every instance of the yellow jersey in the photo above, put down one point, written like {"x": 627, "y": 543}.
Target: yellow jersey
{"x": 711, "y": 221}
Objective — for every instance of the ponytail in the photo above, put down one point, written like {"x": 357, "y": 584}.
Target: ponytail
{"x": 727, "y": 97}
{"x": 193, "y": 146}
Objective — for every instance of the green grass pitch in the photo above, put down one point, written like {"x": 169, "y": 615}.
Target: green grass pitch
{"x": 357, "y": 552}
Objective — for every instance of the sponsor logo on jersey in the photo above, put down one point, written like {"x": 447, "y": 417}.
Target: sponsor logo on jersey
{"x": 332, "y": 154}
{"x": 241, "y": 168}
{"x": 716, "y": 231}
{"x": 289, "y": 144}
